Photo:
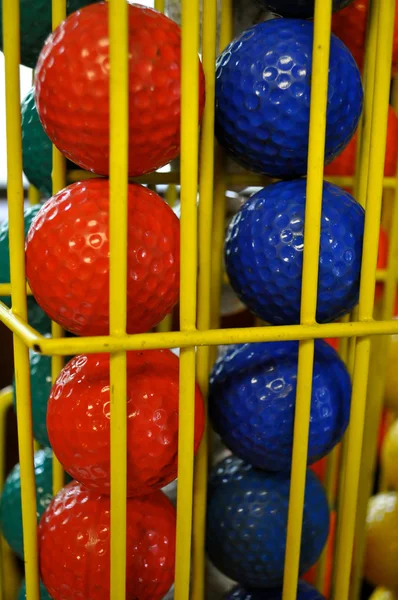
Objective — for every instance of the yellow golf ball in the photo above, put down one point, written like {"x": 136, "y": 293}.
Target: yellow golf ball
{"x": 382, "y": 594}
{"x": 389, "y": 456}
{"x": 381, "y": 553}
{"x": 391, "y": 390}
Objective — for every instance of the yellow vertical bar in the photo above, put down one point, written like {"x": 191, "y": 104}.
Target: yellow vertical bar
{"x": 159, "y": 5}
{"x": 33, "y": 195}
{"x": 385, "y": 12}
{"x": 376, "y": 386}
{"x": 118, "y": 217}
{"x": 171, "y": 199}
{"x": 189, "y": 186}
{"x": 9, "y": 574}
{"x": 58, "y": 183}
{"x": 363, "y": 147}
{"x": 227, "y": 23}
{"x": 217, "y": 271}
{"x": 217, "y": 267}
{"x": 15, "y": 193}
{"x": 206, "y": 188}
{"x": 330, "y": 488}
{"x": 313, "y": 209}
{"x": 166, "y": 324}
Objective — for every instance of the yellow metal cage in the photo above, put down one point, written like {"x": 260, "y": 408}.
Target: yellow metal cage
{"x": 364, "y": 336}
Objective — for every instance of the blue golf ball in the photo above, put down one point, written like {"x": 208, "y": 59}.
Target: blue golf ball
{"x": 252, "y": 400}
{"x": 263, "y": 97}
{"x": 304, "y": 592}
{"x": 247, "y": 523}
{"x": 264, "y": 252}
{"x": 299, "y": 9}
{"x": 36, "y": 316}
{"x": 43, "y": 592}
{"x": 10, "y": 502}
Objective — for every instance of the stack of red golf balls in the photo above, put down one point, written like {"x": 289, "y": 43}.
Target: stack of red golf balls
{"x": 67, "y": 265}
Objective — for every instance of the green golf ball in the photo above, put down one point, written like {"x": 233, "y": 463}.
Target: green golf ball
{"x": 41, "y": 384}
{"x": 43, "y": 592}
{"x": 10, "y": 502}
{"x": 35, "y": 26}
{"x": 36, "y": 147}
{"x": 36, "y": 316}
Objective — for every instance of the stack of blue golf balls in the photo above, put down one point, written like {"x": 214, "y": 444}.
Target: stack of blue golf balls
{"x": 262, "y": 120}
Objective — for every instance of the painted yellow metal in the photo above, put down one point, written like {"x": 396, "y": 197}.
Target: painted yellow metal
{"x": 313, "y": 208}
{"x": 171, "y": 198}
{"x": 9, "y": 575}
{"x": 118, "y": 218}
{"x": 243, "y": 179}
{"x": 367, "y": 287}
{"x": 159, "y": 5}
{"x": 33, "y": 195}
{"x": 331, "y": 487}
{"x": 376, "y": 386}
{"x": 354, "y": 332}
{"x": 362, "y": 158}
{"x": 188, "y": 287}
{"x": 58, "y": 183}
{"x": 15, "y": 194}
{"x": 182, "y": 339}
{"x": 206, "y": 190}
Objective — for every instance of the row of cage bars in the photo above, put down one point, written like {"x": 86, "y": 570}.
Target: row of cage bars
{"x": 356, "y": 352}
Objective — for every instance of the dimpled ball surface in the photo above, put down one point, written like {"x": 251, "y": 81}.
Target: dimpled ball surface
{"x": 79, "y": 426}
{"x": 299, "y": 9}
{"x": 36, "y": 147}
{"x": 264, "y": 252}
{"x": 67, "y": 258}
{"x": 36, "y": 317}
{"x": 350, "y": 26}
{"x": 35, "y": 25}
{"x": 304, "y": 592}
{"x": 43, "y": 592}
{"x": 263, "y": 97}
{"x": 381, "y": 544}
{"x": 41, "y": 384}
{"x": 75, "y": 62}
{"x": 74, "y": 552}
{"x": 10, "y": 506}
{"x": 344, "y": 164}
{"x": 247, "y": 523}
{"x": 252, "y": 400}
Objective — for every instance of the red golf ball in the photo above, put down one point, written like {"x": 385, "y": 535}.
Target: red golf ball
{"x": 74, "y": 545}
{"x": 74, "y": 63}
{"x": 344, "y": 164}
{"x": 349, "y": 24}
{"x": 78, "y": 422}
{"x": 67, "y": 258}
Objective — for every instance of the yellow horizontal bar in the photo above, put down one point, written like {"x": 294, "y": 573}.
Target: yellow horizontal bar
{"x": 5, "y": 289}
{"x": 18, "y": 326}
{"x": 183, "y": 339}
{"x": 248, "y": 179}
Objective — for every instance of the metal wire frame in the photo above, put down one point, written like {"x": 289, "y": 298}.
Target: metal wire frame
{"x": 205, "y": 332}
